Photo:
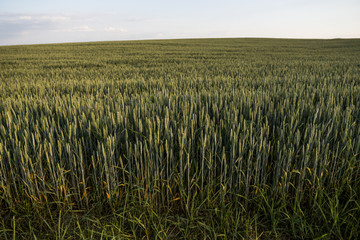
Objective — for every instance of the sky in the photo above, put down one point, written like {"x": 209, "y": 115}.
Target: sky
{"x": 45, "y": 21}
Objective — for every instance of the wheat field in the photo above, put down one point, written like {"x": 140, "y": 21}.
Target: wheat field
{"x": 182, "y": 139}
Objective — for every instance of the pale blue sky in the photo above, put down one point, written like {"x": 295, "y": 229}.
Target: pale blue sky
{"x": 52, "y": 21}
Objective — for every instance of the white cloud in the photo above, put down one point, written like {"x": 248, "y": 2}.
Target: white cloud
{"x": 42, "y": 18}
{"x": 160, "y": 35}
{"x": 85, "y": 28}
{"x": 55, "y": 18}
{"x": 25, "y": 18}
{"x": 112, "y": 29}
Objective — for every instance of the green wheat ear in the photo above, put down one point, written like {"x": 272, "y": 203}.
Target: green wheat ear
{"x": 207, "y": 138}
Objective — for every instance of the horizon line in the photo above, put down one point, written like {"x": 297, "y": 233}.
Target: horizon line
{"x": 185, "y": 38}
